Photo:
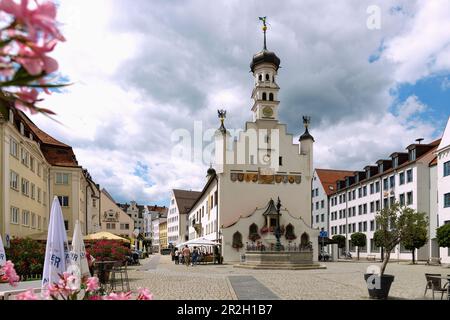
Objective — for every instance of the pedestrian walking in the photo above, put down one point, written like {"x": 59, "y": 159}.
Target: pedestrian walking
{"x": 186, "y": 255}
{"x": 194, "y": 256}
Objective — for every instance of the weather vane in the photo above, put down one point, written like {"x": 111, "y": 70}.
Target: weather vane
{"x": 264, "y": 28}
{"x": 306, "y": 121}
{"x": 222, "y": 116}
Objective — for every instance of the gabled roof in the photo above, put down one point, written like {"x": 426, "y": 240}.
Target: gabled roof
{"x": 185, "y": 199}
{"x": 445, "y": 141}
{"x": 106, "y": 193}
{"x": 328, "y": 178}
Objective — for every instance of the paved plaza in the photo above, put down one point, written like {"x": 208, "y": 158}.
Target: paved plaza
{"x": 341, "y": 280}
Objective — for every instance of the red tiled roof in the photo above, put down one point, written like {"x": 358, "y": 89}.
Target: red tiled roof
{"x": 433, "y": 162}
{"x": 41, "y": 135}
{"x": 434, "y": 145}
{"x": 329, "y": 177}
{"x": 56, "y": 152}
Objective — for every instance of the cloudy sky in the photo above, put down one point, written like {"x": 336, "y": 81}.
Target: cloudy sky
{"x": 144, "y": 71}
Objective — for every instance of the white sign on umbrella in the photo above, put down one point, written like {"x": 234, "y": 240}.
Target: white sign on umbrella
{"x": 2, "y": 253}
{"x": 78, "y": 253}
{"x": 57, "y": 256}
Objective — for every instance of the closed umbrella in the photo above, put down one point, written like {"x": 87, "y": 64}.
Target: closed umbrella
{"x": 2, "y": 253}
{"x": 57, "y": 256}
{"x": 78, "y": 253}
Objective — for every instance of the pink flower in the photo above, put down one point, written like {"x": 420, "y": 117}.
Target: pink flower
{"x": 95, "y": 298}
{"x": 9, "y": 274}
{"x": 144, "y": 294}
{"x": 42, "y": 18}
{"x": 28, "y": 295}
{"x": 118, "y": 296}
{"x": 26, "y": 99}
{"x": 92, "y": 284}
{"x": 34, "y": 59}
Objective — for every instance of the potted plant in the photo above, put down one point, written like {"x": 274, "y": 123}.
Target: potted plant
{"x": 359, "y": 239}
{"x": 393, "y": 224}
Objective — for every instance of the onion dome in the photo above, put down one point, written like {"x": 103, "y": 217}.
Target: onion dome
{"x": 265, "y": 56}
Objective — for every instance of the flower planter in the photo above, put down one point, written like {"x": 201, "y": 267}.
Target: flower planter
{"x": 379, "y": 287}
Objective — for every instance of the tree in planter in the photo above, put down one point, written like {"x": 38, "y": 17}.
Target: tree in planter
{"x": 340, "y": 239}
{"x": 394, "y": 224}
{"x": 443, "y": 236}
{"x": 415, "y": 236}
{"x": 359, "y": 239}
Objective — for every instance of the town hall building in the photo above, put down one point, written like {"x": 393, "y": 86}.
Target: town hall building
{"x": 236, "y": 207}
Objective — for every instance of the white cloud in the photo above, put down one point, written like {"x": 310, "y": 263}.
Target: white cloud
{"x": 424, "y": 46}
{"x": 141, "y": 71}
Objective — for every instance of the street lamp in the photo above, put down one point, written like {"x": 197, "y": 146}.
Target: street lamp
{"x": 278, "y": 230}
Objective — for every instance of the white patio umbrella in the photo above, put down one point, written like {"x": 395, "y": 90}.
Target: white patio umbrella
{"x": 2, "y": 253}
{"x": 57, "y": 256}
{"x": 78, "y": 252}
{"x": 198, "y": 242}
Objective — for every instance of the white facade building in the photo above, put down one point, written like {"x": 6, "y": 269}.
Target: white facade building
{"x": 177, "y": 219}
{"x": 262, "y": 164}
{"x": 405, "y": 178}
{"x": 443, "y": 186}
{"x": 324, "y": 185}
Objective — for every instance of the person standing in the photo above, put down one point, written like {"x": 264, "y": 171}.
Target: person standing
{"x": 186, "y": 255}
{"x": 194, "y": 256}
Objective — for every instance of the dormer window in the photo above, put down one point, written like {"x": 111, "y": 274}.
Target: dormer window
{"x": 22, "y": 129}
{"x": 380, "y": 168}
{"x": 412, "y": 154}
{"x": 31, "y": 136}
{"x": 11, "y": 116}
{"x": 395, "y": 162}
{"x": 368, "y": 173}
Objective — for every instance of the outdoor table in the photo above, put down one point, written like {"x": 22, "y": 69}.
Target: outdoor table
{"x": 448, "y": 283}
{"x": 102, "y": 268}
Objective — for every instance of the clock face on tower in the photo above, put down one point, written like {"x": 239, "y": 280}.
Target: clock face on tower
{"x": 268, "y": 112}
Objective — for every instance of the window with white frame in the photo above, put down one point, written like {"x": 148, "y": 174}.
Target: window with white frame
{"x": 15, "y": 215}
{"x": 26, "y": 218}
{"x": 33, "y": 220}
{"x": 24, "y": 157}
{"x": 409, "y": 198}
{"x": 13, "y": 148}
{"x": 32, "y": 162}
{"x": 446, "y": 168}
{"x": 62, "y": 178}
{"x": 33, "y": 191}
{"x": 14, "y": 180}
{"x": 25, "y": 187}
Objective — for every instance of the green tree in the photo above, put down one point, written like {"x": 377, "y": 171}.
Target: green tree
{"x": 443, "y": 236}
{"x": 340, "y": 239}
{"x": 394, "y": 223}
{"x": 415, "y": 236}
{"x": 359, "y": 239}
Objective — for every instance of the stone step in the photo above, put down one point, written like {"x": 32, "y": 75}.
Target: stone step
{"x": 280, "y": 266}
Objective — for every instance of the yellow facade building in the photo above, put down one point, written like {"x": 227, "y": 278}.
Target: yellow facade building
{"x": 113, "y": 218}
{"x": 163, "y": 234}
{"x": 35, "y": 167}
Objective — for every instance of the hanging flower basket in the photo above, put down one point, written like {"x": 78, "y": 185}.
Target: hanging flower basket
{"x": 264, "y": 230}
{"x": 254, "y": 236}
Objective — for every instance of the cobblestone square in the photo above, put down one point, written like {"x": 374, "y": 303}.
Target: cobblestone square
{"x": 340, "y": 281}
